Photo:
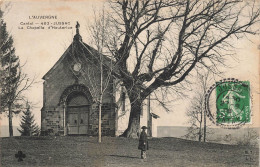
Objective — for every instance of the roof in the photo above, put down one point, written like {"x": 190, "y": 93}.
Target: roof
{"x": 57, "y": 63}
{"x": 78, "y": 41}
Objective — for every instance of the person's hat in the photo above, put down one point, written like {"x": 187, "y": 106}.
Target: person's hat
{"x": 144, "y": 127}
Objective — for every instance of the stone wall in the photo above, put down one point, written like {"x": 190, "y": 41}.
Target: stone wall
{"x": 53, "y": 123}
{"x": 108, "y": 120}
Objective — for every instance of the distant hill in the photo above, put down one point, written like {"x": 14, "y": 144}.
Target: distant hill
{"x": 171, "y": 131}
{"x": 4, "y": 131}
{"x": 216, "y": 135}
{"x": 233, "y": 136}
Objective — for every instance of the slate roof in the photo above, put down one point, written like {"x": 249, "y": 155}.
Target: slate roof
{"x": 88, "y": 49}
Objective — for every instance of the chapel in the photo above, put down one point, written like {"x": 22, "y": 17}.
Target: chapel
{"x": 71, "y": 89}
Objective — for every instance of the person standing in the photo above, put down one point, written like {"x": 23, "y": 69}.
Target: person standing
{"x": 143, "y": 143}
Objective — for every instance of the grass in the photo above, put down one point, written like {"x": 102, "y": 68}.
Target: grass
{"x": 85, "y": 151}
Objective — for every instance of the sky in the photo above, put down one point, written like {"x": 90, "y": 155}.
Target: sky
{"x": 40, "y": 49}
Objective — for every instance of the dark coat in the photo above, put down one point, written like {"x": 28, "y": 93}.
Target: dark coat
{"x": 143, "y": 142}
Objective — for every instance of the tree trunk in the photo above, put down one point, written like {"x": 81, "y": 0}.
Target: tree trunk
{"x": 10, "y": 115}
{"x": 100, "y": 119}
{"x": 205, "y": 126}
{"x": 200, "y": 131}
{"x": 134, "y": 120}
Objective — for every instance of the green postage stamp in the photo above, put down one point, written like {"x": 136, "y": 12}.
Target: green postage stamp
{"x": 233, "y": 102}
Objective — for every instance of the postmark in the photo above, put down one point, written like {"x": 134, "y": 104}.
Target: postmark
{"x": 232, "y": 103}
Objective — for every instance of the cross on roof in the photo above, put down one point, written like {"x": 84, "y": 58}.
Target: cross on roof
{"x": 77, "y": 36}
{"x": 77, "y": 27}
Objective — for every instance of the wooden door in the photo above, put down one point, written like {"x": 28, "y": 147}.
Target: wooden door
{"x": 78, "y": 120}
{"x": 83, "y": 120}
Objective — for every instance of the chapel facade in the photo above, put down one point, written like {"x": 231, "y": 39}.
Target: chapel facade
{"x": 70, "y": 92}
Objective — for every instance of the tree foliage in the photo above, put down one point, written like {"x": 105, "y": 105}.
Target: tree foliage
{"x": 13, "y": 81}
{"x": 27, "y": 126}
{"x": 10, "y": 74}
{"x": 10, "y": 68}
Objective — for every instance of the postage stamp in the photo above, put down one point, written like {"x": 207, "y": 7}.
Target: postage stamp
{"x": 232, "y": 103}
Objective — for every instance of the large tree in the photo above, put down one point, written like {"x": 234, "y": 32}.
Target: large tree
{"x": 13, "y": 81}
{"x": 158, "y": 43}
{"x": 10, "y": 73}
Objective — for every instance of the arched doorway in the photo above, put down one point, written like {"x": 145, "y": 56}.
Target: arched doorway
{"x": 77, "y": 114}
{"x": 77, "y": 101}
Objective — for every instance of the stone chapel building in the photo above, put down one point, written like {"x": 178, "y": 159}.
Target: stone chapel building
{"x": 70, "y": 90}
